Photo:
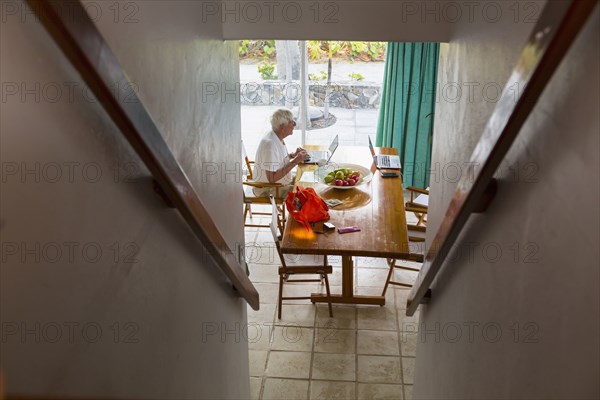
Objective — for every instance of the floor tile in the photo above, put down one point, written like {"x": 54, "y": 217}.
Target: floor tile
{"x": 334, "y": 260}
{"x": 333, "y": 289}
{"x": 264, "y": 254}
{"x": 329, "y": 390}
{"x": 335, "y": 278}
{"x": 368, "y": 391}
{"x": 372, "y": 277}
{"x": 264, "y": 315}
{"x": 340, "y": 341}
{"x": 288, "y": 364}
{"x": 303, "y": 259}
{"x": 378, "y": 263}
{"x": 336, "y": 367}
{"x": 408, "y": 392}
{"x": 297, "y": 315}
{"x": 258, "y": 336}
{"x": 261, "y": 251}
{"x": 406, "y": 323}
{"x": 379, "y": 369}
{"x": 377, "y": 318}
{"x": 299, "y": 290}
{"x": 401, "y": 298}
{"x": 267, "y": 292}
{"x": 249, "y": 235}
{"x": 344, "y": 317}
{"x": 258, "y": 362}
{"x": 378, "y": 343}
{"x": 408, "y": 368}
{"x": 292, "y": 338}
{"x": 408, "y": 343}
{"x": 264, "y": 237}
{"x": 292, "y": 389}
{"x": 255, "y": 386}
{"x": 261, "y": 273}
{"x": 376, "y": 291}
{"x": 404, "y": 276}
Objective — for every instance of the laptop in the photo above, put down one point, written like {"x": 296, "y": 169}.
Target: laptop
{"x": 384, "y": 161}
{"x": 315, "y": 156}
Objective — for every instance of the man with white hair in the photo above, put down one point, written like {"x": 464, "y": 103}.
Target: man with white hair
{"x": 273, "y": 162}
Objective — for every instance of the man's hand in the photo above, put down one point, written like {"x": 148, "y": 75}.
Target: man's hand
{"x": 299, "y": 155}
{"x": 295, "y": 153}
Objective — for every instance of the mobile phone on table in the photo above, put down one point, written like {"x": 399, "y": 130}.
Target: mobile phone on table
{"x": 349, "y": 229}
{"x": 386, "y": 174}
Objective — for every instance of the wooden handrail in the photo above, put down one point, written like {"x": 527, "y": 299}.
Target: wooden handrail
{"x": 553, "y": 34}
{"x": 86, "y": 49}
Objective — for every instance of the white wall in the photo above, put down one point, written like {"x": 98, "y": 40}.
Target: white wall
{"x": 164, "y": 301}
{"x": 549, "y": 285}
{"x": 372, "y": 20}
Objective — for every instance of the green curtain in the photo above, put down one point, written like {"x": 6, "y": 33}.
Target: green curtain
{"x": 407, "y": 107}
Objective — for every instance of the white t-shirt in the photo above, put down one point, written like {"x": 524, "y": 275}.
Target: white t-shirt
{"x": 271, "y": 155}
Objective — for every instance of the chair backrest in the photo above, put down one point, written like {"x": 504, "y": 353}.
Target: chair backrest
{"x": 274, "y": 225}
{"x": 248, "y": 164}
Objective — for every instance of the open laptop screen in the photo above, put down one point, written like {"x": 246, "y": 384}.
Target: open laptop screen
{"x": 371, "y": 147}
{"x": 333, "y": 146}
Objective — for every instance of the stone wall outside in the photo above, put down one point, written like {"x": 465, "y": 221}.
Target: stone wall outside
{"x": 351, "y": 95}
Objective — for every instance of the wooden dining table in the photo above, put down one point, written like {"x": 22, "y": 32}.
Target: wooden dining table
{"x": 376, "y": 207}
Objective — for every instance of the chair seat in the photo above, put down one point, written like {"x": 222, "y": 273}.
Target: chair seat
{"x": 422, "y": 200}
{"x": 412, "y": 207}
{"x": 250, "y": 197}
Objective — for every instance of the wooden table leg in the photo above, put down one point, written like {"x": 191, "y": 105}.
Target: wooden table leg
{"x": 347, "y": 276}
{"x": 348, "y": 296}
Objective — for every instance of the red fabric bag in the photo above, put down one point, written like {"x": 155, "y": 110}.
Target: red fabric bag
{"x": 306, "y": 206}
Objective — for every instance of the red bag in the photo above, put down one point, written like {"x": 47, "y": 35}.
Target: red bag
{"x": 306, "y": 206}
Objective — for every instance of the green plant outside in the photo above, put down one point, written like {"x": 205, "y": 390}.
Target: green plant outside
{"x": 318, "y": 50}
{"x": 321, "y": 76}
{"x": 267, "y": 70}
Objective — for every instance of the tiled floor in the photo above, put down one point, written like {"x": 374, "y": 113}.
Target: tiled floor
{"x": 363, "y": 352}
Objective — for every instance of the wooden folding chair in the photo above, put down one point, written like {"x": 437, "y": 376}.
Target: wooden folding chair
{"x": 286, "y": 270}
{"x": 418, "y": 204}
{"x": 249, "y": 198}
{"x": 416, "y": 246}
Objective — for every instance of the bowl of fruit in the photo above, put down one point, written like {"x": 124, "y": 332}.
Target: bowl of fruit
{"x": 343, "y": 176}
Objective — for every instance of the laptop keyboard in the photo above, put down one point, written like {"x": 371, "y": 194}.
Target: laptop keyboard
{"x": 384, "y": 161}
{"x": 316, "y": 156}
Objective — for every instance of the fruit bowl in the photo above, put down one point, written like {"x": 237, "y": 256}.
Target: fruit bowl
{"x": 330, "y": 173}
